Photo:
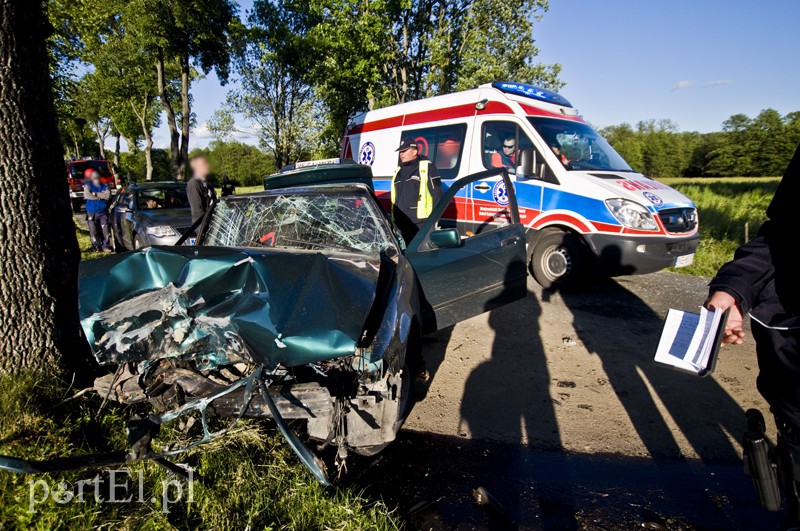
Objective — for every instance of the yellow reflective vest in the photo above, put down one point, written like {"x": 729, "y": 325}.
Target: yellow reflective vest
{"x": 425, "y": 201}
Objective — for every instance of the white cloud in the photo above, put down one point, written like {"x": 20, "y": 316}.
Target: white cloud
{"x": 717, "y": 83}
{"x": 683, "y": 84}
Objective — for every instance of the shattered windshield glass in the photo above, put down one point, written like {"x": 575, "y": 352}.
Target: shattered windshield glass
{"x": 313, "y": 221}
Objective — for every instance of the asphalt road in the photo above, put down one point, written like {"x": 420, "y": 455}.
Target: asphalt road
{"x": 554, "y": 405}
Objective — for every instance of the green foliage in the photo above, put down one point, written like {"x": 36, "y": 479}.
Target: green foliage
{"x": 134, "y": 166}
{"x": 250, "y": 479}
{"x": 725, "y": 208}
{"x": 273, "y": 58}
{"x": 244, "y": 164}
{"x": 362, "y": 55}
{"x": 750, "y": 147}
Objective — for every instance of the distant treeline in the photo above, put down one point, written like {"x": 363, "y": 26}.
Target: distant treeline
{"x": 247, "y": 165}
{"x": 759, "y": 146}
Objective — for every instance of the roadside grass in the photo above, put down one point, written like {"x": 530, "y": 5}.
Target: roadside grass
{"x": 249, "y": 189}
{"x": 729, "y": 209}
{"x": 85, "y": 244}
{"x": 247, "y": 479}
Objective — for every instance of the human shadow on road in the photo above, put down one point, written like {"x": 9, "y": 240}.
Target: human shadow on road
{"x": 507, "y": 398}
{"x": 620, "y": 328}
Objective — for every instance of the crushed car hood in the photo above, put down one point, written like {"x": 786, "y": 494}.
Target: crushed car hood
{"x": 216, "y": 304}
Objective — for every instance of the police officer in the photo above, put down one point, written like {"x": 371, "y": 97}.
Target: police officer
{"x": 228, "y": 187}
{"x": 97, "y": 196}
{"x": 763, "y": 280}
{"x": 416, "y": 188}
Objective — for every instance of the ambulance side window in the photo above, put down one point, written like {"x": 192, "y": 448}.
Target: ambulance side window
{"x": 442, "y": 145}
{"x": 502, "y": 143}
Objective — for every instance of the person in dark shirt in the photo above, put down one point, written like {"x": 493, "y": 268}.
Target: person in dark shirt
{"x": 228, "y": 187}
{"x": 416, "y": 188}
{"x": 763, "y": 280}
{"x": 199, "y": 192}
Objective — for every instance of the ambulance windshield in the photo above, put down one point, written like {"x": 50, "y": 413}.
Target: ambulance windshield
{"x": 578, "y": 146}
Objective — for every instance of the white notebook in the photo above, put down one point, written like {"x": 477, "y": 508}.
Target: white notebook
{"x": 690, "y": 341}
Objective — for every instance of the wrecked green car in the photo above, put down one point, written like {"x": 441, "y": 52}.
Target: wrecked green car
{"x": 297, "y": 303}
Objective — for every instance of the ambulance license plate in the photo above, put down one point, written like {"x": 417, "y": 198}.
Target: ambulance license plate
{"x": 685, "y": 260}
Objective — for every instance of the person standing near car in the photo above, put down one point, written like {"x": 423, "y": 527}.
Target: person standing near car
{"x": 228, "y": 187}
{"x": 763, "y": 281}
{"x": 416, "y": 188}
{"x": 199, "y": 192}
{"x": 97, "y": 196}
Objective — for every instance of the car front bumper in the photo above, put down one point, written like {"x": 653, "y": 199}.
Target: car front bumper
{"x": 162, "y": 240}
{"x": 627, "y": 255}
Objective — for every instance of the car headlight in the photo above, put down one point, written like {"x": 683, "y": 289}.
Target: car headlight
{"x": 161, "y": 231}
{"x": 631, "y": 214}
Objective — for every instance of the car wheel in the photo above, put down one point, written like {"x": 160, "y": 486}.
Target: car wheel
{"x": 412, "y": 364}
{"x": 404, "y": 396}
{"x": 76, "y": 205}
{"x": 559, "y": 259}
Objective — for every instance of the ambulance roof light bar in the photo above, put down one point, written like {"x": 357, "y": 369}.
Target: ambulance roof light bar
{"x": 532, "y": 91}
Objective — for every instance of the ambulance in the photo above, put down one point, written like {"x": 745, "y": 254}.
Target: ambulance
{"x": 586, "y": 211}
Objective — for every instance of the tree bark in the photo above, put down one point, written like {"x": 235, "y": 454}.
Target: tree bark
{"x": 38, "y": 248}
{"x": 117, "y": 149}
{"x": 101, "y": 140}
{"x": 174, "y": 135}
{"x": 186, "y": 119}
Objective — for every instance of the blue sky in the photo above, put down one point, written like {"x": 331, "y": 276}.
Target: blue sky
{"x": 694, "y": 62}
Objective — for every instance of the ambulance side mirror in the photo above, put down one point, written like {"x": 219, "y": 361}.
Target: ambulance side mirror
{"x": 527, "y": 162}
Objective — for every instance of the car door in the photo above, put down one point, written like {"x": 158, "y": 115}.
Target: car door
{"x": 462, "y": 276}
{"x": 126, "y": 219}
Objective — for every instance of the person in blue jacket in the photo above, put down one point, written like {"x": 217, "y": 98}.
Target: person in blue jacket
{"x": 97, "y": 196}
{"x": 763, "y": 281}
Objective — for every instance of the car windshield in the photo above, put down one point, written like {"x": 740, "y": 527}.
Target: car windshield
{"x": 157, "y": 198}
{"x": 328, "y": 221}
{"x": 578, "y": 146}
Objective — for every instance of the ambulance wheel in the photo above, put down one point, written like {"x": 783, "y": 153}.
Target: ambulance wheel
{"x": 558, "y": 259}
{"x": 76, "y": 205}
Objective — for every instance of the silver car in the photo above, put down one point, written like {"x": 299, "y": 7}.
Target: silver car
{"x": 149, "y": 214}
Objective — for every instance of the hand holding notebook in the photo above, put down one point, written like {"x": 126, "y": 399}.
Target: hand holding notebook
{"x": 690, "y": 342}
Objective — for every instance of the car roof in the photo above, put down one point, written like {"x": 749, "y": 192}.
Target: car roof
{"x": 345, "y": 171}
{"x": 158, "y": 184}
{"x": 331, "y": 188}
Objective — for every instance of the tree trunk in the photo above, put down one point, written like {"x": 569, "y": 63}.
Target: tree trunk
{"x": 38, "y": 249}
{"x": 186, "y": 119}
{"x": 117, "y": 149}
{"x": 174, "y": 135}
{"x": 101, "y": 141}
{"x": 148, "y": 135}
{"x": 148, "y": 157}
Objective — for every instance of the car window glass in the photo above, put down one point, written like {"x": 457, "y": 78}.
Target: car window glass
{"x": 442, "y": 145}
{"x": 326, "y": 221}
{"x": 157, "y": 198}
{"x": 501, "y": 143}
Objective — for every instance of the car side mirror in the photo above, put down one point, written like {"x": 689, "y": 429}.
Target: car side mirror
{"x": 527, "y": 160}
{"x": 445, "y": 238}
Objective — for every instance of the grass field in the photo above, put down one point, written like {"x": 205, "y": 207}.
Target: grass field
{"x": 729, "y": 210}
{"x": 247, "y": 479}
